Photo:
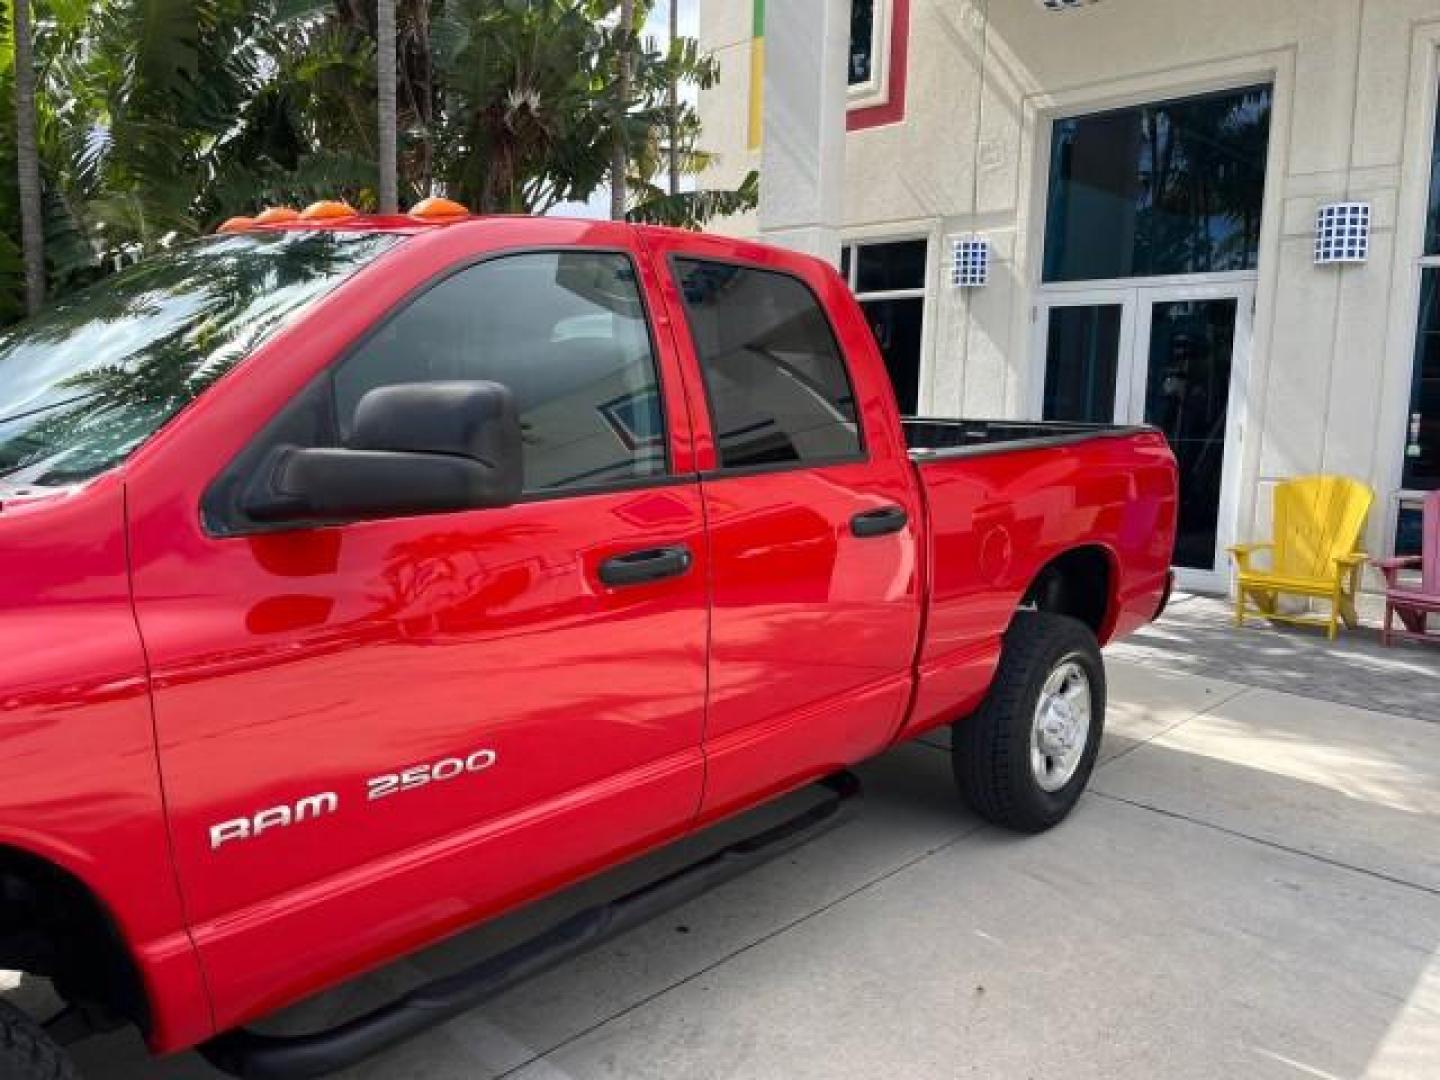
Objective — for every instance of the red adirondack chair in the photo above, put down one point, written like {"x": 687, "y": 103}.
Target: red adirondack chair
{"x": 1414, "y": 602}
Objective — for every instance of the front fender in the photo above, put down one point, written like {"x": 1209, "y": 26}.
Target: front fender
{"x": 79, "y": 778}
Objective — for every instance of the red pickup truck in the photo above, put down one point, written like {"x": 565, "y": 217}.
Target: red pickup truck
{"x": 368, "y": 577}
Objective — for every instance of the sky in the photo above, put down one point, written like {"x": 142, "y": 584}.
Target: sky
{"x": 689, "y": 17}
{"x": 658, "y": 24}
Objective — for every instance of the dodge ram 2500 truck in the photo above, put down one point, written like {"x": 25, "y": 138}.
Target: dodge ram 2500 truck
{"x": 368, "y": 577}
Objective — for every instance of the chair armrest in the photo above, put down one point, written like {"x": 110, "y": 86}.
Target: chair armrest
{"x": 1243, "y": 552}
{"x": 1404, "y": 562}
{"x": 1351, "y": 566}
{"x": 1391, "y": 567}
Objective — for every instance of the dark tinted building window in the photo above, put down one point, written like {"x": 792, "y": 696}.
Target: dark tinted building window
{"x": 897, "y": 326}
{"x": 889, "y": 281}
{"x": 1083, "y": 359}
{"x": 778, "y": 388}
{"x": 566, "y": 332}
{"x": 1432, "y": 221}
{"x": 862, "y": 42}
{"x": 888, "y": 267}
{"x": 1422, "y": 431}
{"x": 1170, "y": 188}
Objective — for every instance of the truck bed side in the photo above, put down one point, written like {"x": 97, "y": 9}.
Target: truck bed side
{"x": 1068, "y": 517}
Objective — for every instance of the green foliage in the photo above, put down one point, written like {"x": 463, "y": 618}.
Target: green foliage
{"x": 160, "y": 118}
{"x": 692, "y": 209}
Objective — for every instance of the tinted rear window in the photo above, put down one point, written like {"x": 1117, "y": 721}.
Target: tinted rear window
{"x": 778, "y": 389}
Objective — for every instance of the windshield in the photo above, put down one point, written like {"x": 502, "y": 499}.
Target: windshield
{"x": 88, "y": 380}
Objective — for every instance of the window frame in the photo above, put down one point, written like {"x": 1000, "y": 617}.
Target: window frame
{"x": 1423, "y": 141}
{"x": 876, "y": 89}
{"x": 1402, "y": 497}
{"x": 1403, "y": 494}
{"x": 852, "y": 275}
{"x": 720, "y": 470}
{"x": 922, "y": 292}
{"x": 1422, "y": 263}
{"x": 218, "y": 519}
{"x": 1087, "y": 108}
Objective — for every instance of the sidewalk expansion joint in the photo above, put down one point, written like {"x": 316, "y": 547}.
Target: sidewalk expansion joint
{"x": 1339, "y": 864}
{"x": 1239, "y": 691}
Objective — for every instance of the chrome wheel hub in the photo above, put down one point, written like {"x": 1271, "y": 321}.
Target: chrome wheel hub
{"x": 1061, "y": 728}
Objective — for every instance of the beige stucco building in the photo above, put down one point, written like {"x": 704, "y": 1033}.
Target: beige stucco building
{"x": 1147, "y": 174}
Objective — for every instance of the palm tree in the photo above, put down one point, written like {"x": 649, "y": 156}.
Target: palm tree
{"x": 153, "y": 120}
{"x": 620, "y": 159}
{"x": 27, "y": 152}
{"x": 385, "y": 58}
{"x": 674, "y": 103}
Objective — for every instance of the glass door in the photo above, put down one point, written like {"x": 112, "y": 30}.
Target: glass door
{"x": 1191, "y": 348}
{"x": 1173, "y": 357}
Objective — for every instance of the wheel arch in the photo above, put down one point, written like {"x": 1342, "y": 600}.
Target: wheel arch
{"x": 1081, "y": 582}
{"x": 54, "y": 925}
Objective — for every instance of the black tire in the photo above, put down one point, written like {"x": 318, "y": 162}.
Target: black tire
{"x": 991, "y": 749}
{"x": 27, "y": 1053}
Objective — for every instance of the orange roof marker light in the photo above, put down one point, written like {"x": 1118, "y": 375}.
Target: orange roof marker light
{"x": 327, "y": 210}
{"x": 276, "y": 214}
{"x": 235, "y": 224}
{"x": 436, "y": 208}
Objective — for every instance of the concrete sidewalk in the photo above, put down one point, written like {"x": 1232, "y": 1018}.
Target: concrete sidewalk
{"x": 1251, "y": 889}
{"x": 1198, "y": 637}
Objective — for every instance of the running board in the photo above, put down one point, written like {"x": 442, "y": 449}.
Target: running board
{"x": 253, "y": 1056}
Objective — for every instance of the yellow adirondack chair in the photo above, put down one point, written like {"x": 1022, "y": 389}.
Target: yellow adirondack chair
{"x": 1319, "y": 521}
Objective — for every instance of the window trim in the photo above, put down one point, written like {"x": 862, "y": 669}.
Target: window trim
{"x": 222, "y": 525}
{"x": 1421, "y": 265}
{"x": 852, "y": 278}
{"x": 923, "y": 293}
{"x": 876, "y": 89}
{"x": 721, "y": 471}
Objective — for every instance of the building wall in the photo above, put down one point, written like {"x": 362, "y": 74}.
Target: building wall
{"x": 1355, "y": 87}
{"x": 725, "y": 33}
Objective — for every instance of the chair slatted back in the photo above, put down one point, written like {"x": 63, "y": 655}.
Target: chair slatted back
{"x": 1317, "y": 519}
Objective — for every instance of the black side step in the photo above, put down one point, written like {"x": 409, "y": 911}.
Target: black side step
{"x": 253, "y": 1056}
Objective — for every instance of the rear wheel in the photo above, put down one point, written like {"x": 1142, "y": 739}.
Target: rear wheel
{"x": 1025, "y": 756}
{"x": 27, "y": 1053}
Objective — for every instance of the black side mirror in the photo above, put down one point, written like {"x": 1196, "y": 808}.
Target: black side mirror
{"x": 416, "y": 448}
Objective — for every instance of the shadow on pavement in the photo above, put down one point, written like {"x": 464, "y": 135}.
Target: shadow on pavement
{"x": 1196, "y": 637}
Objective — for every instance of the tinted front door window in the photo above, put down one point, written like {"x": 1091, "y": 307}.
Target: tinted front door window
{"x": 565, "y": 331}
